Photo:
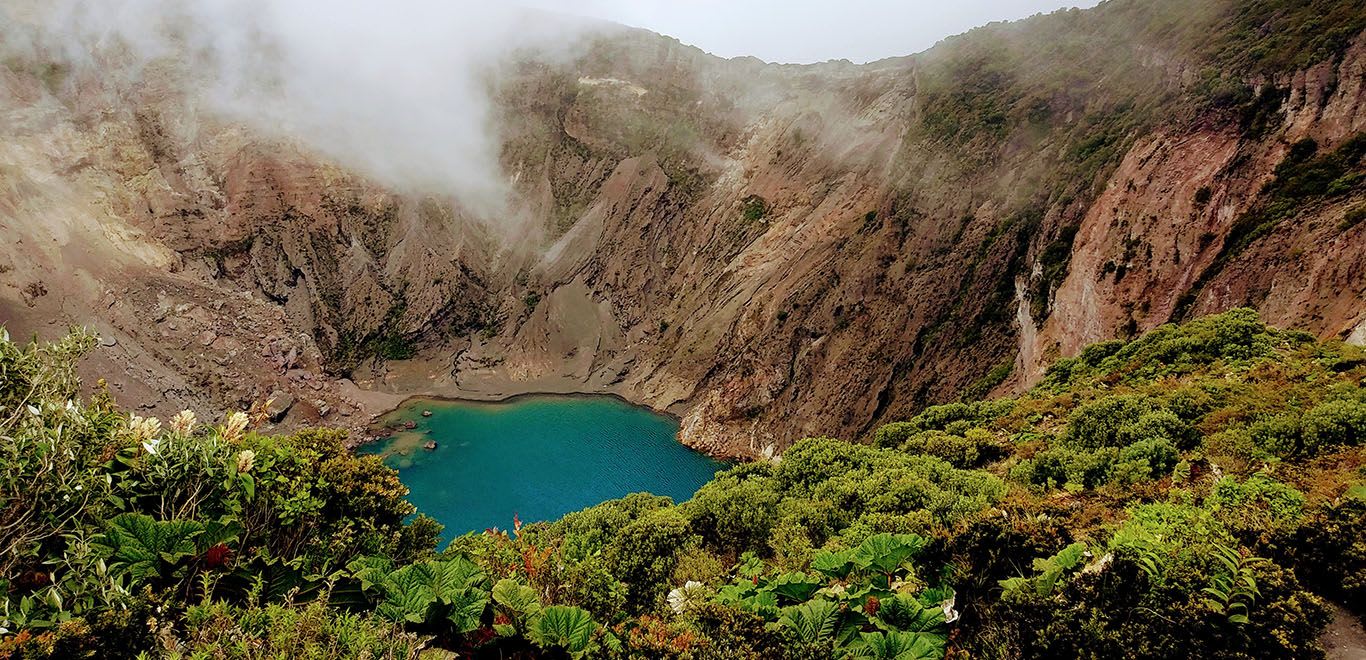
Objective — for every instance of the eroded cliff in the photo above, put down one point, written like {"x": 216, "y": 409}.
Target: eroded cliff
{"x": 771, "y": 251}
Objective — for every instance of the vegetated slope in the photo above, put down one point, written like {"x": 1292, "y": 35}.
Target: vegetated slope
{"x": 1196, "y": 492}
{"x": 774, "y": 251}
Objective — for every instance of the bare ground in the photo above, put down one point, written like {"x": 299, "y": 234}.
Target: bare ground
{"x": 1345, "y": 638}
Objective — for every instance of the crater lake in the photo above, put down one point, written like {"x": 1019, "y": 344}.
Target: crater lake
{"x": 474, "y": 465}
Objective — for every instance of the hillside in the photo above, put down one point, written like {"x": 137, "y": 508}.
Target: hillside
{"x": 1197, "y": 492}
{"x": 771, "y": 251}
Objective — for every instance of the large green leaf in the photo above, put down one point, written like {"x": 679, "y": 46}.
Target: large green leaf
{"x": 407, "y": 596}
{"x": 144, "y": 547}
{"x": 560, "y": 626}
{"x": 833, "y": 564}
{"x": 1052, "y": 569}
{"x": 273, "y": 580}
{"x": 899, "y": 646}
{"x": 885, "y": 553}
{"x": 907, "y": 614}
{"x": 467, "y": 609}
{"x": 518, "y": 602}
{"x": 223, "y": 531}
{"x": 446, "y": 578}
{"x": 814, "y": 622}
{"x": 744, "y": 596}
{"x": 516, "y": 598}
{"x": 371, "y": 571}
{"x": 795, "y": 587}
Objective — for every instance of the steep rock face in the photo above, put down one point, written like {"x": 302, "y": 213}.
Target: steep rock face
{"x": 1152, "y": 234}
{"x": 770, "y": 251}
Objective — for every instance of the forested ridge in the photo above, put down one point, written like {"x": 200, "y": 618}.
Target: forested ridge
{"x": 1196, "y": 492}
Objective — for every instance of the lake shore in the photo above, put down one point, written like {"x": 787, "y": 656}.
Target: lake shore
{"x": 379, "y": 394}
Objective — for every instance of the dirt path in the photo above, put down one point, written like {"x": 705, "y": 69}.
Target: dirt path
{"x": 1345, "y": 638}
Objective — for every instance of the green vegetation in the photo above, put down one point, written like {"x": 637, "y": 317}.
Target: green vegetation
{"x": 386, "y": 343}
{"x": 755, "y": 209}
{"x": 1303, "y": 180}
{"x": 1058, "y": 100}
{"x": 1196, "y": 492}
{"x": 1304, "y": 177}
{"x": 1354, "y": 216}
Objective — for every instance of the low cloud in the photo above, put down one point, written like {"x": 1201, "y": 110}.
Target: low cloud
{"x": 400, "y": 90}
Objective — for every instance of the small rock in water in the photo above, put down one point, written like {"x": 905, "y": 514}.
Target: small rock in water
{"x": 426, "y": 413}
{"x": 430, "y": 446}
{"x": 410, "y": 425}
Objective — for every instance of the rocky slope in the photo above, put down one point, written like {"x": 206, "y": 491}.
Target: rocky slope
{"x": 770, "y": 251}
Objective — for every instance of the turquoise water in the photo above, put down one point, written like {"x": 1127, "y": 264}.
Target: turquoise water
{"x": 538, "y": 457}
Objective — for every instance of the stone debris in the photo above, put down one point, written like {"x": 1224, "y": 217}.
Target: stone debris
{"x": 280, "y": 403}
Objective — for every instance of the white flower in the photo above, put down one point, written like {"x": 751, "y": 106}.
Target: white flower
{"x": 144, "y": 428}
{"x": 950, "y": 614}
{"x": 689, "y": 593}
{"x": 244, "y": 460}
{"x": 183, "y": 422}
{"x": 150, "y": 446}
{"x": 80, "y": 487}
{"x": 233, "y": 426}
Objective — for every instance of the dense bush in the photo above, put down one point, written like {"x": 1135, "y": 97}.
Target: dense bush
{"x": 1156, "y": 498}
{"x": 1329, "y": 549}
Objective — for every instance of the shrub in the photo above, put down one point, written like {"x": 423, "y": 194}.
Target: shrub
{"x": 1334, "y": 423}
{"x": 309, "y": 631}
{"x": 1063, "y": 467}
{"x": 589, "y": 531}
{"x": 1159, "y": 425}
{"x": 755, "y": 208}
{"x": 1330, "y": 550}
{"x": 1146, "y": 459}
{"x": 1256, "y": 506}
{"x": 643, "y": 556}
{"x": 972, "y": 449}
{"x": 1100, "y": 423}
{"x": 590, "y": 585}
{"x": 734, "y": 514}
{"x": 1279, "y": 434}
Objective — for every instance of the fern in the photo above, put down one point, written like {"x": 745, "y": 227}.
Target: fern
{"x": 1233, "y": 592}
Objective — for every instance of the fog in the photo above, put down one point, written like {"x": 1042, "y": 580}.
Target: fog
{"x": 401, "y": 90}
{"x": 398, "y": 90}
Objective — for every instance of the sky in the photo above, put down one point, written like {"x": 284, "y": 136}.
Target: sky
{"x": 804, "y": 31}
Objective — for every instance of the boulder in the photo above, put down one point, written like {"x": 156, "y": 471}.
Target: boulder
{"x": 280, "y": 403}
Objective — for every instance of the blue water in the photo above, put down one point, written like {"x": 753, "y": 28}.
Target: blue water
{"x": 537, "y": 457}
